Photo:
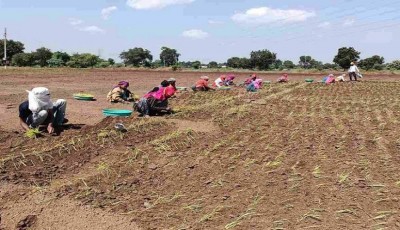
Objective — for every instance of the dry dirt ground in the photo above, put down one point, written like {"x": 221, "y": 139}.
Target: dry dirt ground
{"x": 292, "y": 156}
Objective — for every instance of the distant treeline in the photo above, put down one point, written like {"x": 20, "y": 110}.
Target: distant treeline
{"x": 140, "y": 57}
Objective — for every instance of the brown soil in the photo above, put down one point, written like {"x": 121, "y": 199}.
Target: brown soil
{"x": 291, "y": 156}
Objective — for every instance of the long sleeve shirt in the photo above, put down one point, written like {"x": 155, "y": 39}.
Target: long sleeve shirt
{"x": 353, "y": 69}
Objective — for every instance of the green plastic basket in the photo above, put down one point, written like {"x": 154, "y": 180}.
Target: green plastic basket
{"x": 309, "y": 80}
{"x": 266, "y": 82}
{"x": 116, "y": 112}
{"x": 83, "y": 97}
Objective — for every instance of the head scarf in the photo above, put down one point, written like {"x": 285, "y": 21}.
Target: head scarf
{"x": 39, "y": 99}
{"x": 123, "y": 83}
{"x": 257, "y": 83}
{"x": 164, "y": 83}
{"x": 172, "y": 80}
{"x": 223, "y": 77}
{"x": 230, "y": 77}
{"x": 204, "y": 77}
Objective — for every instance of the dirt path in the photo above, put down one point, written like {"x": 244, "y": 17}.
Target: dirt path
{"x": 52, "y": 212}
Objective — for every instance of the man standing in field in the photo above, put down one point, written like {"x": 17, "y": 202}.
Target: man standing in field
{"x": 353, "y": 71}
{"x": 40, "y": 110}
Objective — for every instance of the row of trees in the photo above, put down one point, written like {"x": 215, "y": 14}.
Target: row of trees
{"x": 139, "y": 57}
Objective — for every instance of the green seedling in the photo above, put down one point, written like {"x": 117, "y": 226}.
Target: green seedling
{"x": 249, "y": 212}
{"x": 32, "y": 133}
{"x": 317, "y": 172}
{"x": 104, "y": 168}
{"x": 313, "y": 214}
{"x": 210, "y": 215}
{"x": 383, "y": 215}
{"x": 346, "y": 211}
{"x": 343, "y": 177}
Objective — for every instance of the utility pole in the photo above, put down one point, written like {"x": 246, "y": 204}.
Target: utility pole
{"x": 5, "y": 48}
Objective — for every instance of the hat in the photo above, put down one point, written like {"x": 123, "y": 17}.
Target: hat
{"x": 351, "y": 63}
{"x": 171, "y": 80}
{"x": 204, "y": 77}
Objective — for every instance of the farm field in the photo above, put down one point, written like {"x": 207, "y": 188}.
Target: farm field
{"x": 292, "y": 156}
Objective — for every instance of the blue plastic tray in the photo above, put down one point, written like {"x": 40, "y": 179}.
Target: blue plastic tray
{"x": 116, "y": 112}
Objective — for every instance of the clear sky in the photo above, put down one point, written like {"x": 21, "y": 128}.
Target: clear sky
{"x": 207, "y": 30}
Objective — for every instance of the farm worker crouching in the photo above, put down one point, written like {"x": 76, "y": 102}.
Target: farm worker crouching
{"x": 120, "y": 93}
{"x": 40, "y": 110}
{"x": 341, "y": 78}
{"x": 249, "y": 80}
{"x": 219, "y": 82}
{"x": 229, "y": 80}
{"x": 154, "y": 101}
{"x": 171, "y": 89}
{"x": 254, "y": 86}
{"x": 202, "y": 84}
{"x": 353, "y": 71}
{"x": 330, "y": 79}
{"x": 284, "y": 78}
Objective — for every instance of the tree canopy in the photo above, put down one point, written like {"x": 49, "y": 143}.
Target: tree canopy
{"x": 374, "y": 62}
{"x": 136, "y": 57}
{"x": 262, "y": 59}
{"x": 345, "y": 56}
{"x": 13, "y": 47}
{"x": 169, "y": 56}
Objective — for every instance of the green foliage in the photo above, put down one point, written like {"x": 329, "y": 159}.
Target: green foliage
{"x": 42, "y": 55}
{"x": 176, "y": 67}
{"x": 111, "y": 61}
{"x": 169, "y": 56}
{"x": 330, "y": 66}
{"x": 196, "y": 64}
{"x": 137, "y": 57}
{"x": 213, "y": 65}
{"x": 13, "y": 48}
{"x": 262, "y": 59}
{"x": 245, "y": 63}
{"x": 394, "y": 65}
{"x": 374, "y": 62}
{"x": 63, "y": 56}
{"x": 307, "y": 62}
{"x": 288, "y": 64}
{"x": 84, "y": 60}
{"x": 233, "y": 62}
{"x": 32, "y": 133}
{"x": 23, "y": 59}
{"x": 345, "y": 56}
{"x": 156, "y": 64}
{"x": 242, "y": 63}
{"x": 278, "y": 64}
{"x": 55, "y": 62}
{"x": 118, "y": 65}
{"x": 103, "y": 64}
{"x": 185, "y": 64}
